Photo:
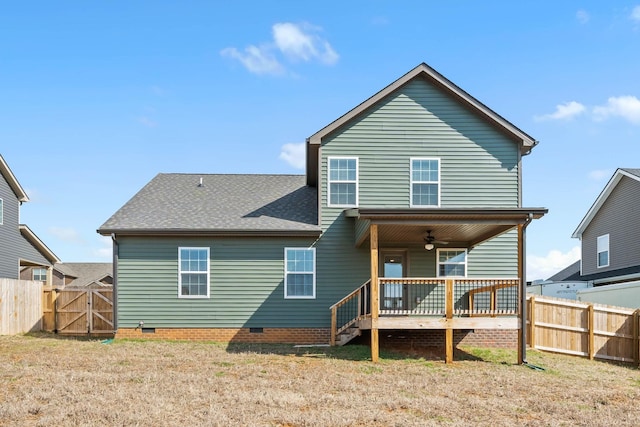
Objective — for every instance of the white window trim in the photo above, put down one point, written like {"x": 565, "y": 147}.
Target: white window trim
{"x": 199, "y": 272}
{"x": 329, "y": 181}
{"x": 607, "y": 250}
{"x": 33, "y": 274}
{"x": 313, "y": 295}
{"x": 466, "y": 261}
{"x": 411, "y": 182}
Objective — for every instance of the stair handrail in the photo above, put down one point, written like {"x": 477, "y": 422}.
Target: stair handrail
{"x": 335, "y": 330}
{"x": 351, "y": 295}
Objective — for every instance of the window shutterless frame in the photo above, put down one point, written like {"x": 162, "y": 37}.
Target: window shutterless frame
{"x": 602, "y": 249}
{"x": 299, "y": 273}
{"x": 424, "y": 177}
{"x": 451, "y": 262}
{"x": 193, "y": 272}
{"x": 342, "y": 181}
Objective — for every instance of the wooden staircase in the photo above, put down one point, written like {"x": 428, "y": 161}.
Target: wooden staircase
{"x": 348, "y": 334}
{"x": 347, "y": 313}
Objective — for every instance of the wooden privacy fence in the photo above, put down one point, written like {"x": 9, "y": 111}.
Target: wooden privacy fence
{"x": 20, "y": 306}
{"x": 595, "y": 331}
{"x": 78, "y": 311}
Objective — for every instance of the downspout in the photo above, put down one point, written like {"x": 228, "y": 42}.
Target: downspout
{"x": 523, "y": 290}
{"x": 115, "y": 283}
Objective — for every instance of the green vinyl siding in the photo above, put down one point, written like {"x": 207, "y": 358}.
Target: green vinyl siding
{"x": 479, "y": 169}
{"x": 246, "y": 285}
{"x": 479, "y": 165}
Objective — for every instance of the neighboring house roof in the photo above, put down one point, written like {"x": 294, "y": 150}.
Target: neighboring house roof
{"x": 570, "y": 273}
{"x": 86, "y": 273}
{"x": 606, "y": 192}
{"x": 38, "y": 244}
{"x": 12, "y": 181}
{"x": 215, "y": 204}
{"x": 421, "y": 71}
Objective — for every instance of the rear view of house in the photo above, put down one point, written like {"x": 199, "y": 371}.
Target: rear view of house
{"x": 409, "y": 218}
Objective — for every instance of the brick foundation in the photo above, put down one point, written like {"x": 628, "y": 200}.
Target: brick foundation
{"x": 244, "y": 335}
{"x": 493, "y": 338}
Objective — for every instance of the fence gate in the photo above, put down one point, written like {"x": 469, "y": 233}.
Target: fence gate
{"x": 80, "y": 311}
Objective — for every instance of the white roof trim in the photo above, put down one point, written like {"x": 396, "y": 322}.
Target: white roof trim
{"x": 528, "y": 142}
{"x": 604, "y": 194}
{"x": 38, "y": 244}
{"x": 12, "y": 181}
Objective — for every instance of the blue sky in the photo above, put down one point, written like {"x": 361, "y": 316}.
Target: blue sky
{"x": 99, "y": 97}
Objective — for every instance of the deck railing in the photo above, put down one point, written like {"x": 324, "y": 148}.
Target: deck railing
{"x": 350, "y": 309}
{"x": 428, "y": 297}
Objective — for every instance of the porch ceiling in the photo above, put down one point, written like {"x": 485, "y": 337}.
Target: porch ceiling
{"x": 459, "y": 227}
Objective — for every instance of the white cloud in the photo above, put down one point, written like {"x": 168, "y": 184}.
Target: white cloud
{"x": 582, "y": 16}
{"x": 295, "y": 42}
{"x": 626, "y": 107}
{"x": 105, "y": 251}
{"x": 635, "y": 14}
{"x": 258, "y": 60}
{"x": 301, "y": 42}
{"x": 543, "y": 267}
{"x": 564, "y": 111}
{"x": 294, "y": 154}
{"x": 146, "y": 121}
{"x": 67, "y": 234}
{"x": 599, "y": 174}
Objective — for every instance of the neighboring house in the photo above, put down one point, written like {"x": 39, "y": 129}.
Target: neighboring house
{"x": 609, "y": 235}
{"x": 87, "y": 275}
{"x": 19, "y": 245}
{"x": 411, "y": 199}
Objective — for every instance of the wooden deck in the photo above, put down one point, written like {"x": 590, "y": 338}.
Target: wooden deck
{"x": 428, "y": 303}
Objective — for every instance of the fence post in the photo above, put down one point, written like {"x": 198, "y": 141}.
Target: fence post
{"x": 532, "y": 322}
{"x": 636, "y": 339}
{"x": 591, "y": 327}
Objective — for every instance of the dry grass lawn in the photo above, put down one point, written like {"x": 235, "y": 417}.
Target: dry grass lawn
{"x": 47, "y": 381}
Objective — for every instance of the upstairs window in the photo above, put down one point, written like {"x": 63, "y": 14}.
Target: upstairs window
{"x": 425, "y": 182}
{"x": 193, "y": 274}
{"x": 343, "y": 181}
{"x": 603, "y": 251}
{"x": 299, "y": 273}
{"x": 452, "y": 263}
{"x": 39, "y": 274}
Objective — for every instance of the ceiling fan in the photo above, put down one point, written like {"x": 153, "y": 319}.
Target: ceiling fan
{"x": 429, "y": 241}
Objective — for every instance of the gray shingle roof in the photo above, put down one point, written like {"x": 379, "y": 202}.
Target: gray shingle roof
{"x": 632, "y": 171}
{"x": 223, "y": 203}
{"x": 85, "y": 273}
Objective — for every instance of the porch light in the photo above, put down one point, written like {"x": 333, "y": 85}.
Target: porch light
{"x": 429, "y": 246}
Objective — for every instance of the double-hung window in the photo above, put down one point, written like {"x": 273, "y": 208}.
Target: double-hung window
{"x": 343, "y": 181}
{"x": 193, "y": 274}
{"x": 425, "y": 182}
{"x": 299, "y": 273}
{"x": 452, "y": 263}
{"x": 603, "y": 250}
{"x": 39, "y": 274}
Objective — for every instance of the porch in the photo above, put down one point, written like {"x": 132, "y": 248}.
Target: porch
{"x": 428, "y": 303}
{"x": 394, "y": 298}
